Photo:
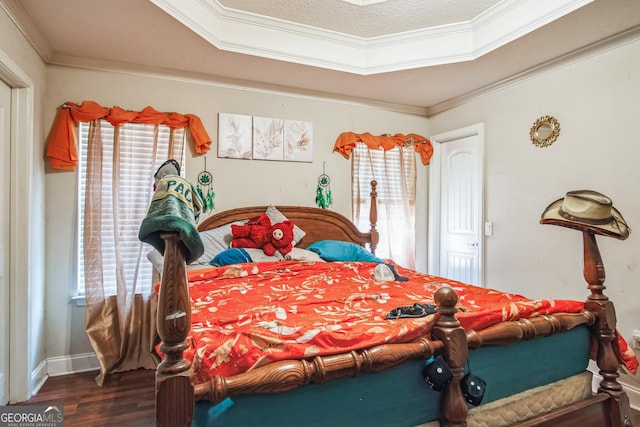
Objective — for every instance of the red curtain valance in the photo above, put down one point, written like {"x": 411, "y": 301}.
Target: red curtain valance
{"x": 62, "y": 149}
{"x": 348, "y": 140}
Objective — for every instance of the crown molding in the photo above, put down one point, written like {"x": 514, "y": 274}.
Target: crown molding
{"x": 252, "y": 34}
{"x": 364, "y": 2}
{"x": 510, "y": 20}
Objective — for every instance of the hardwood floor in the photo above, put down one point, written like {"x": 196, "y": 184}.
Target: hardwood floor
{"x": 126, "y": 399}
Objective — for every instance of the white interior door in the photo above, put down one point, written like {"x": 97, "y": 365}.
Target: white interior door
{"x": 456, "y": 226}
{"x": 5, "y": 156}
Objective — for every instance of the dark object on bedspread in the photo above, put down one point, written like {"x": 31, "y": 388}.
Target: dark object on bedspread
{"x": 175, "y": 207}
{"x": 415, "y": 310}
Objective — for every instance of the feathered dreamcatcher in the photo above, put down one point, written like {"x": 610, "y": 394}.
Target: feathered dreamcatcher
{"x": 324, "y": 198}
{"x": 204, "y": 191}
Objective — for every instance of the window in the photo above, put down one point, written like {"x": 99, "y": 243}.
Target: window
{"x": 139, "y": 150}
{"x": 395, "y": 172}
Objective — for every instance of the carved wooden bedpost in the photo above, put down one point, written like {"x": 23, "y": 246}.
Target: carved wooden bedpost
{"x": 174, "y": 382}
{"x": 455, "y": 352}
{"x": 604, "y": 330}
{"x": 373, "y": 217}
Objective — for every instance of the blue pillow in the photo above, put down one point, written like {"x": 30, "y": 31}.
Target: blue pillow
{"x": 231, "y": 256}
{"x": 336, "y": 250}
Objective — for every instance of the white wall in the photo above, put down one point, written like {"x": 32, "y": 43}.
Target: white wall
{"x": 236, "y": 182}
{"x": 597, "y": 102}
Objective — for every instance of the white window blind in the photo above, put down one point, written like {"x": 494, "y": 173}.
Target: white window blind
{"x": 394, "y": 191}
{"x": 136, "y": 182}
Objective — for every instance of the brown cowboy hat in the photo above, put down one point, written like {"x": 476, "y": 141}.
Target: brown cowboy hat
{"x": 587, "y": 210}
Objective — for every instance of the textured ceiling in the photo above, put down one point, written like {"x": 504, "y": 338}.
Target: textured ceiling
{"x": 388, "y": 17}
{"x": 135, "y": 36}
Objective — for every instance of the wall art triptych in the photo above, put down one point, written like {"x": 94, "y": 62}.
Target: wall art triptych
{"x": 264, "y": 138}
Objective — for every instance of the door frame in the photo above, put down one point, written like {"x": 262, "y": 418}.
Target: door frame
{"x": 5, "y": 307}
{"x": 21, "y": 143}
{"x": 435, "y": 170}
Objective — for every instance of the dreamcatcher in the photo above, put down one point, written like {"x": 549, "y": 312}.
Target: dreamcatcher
{"x": 206, "y": 194}
{"x": 324, "y": 198}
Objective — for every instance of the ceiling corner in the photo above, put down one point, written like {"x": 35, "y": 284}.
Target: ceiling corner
{"x": 22, "y": 20}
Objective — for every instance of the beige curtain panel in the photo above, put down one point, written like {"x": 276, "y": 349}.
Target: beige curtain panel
{"x": 118, "y": 326}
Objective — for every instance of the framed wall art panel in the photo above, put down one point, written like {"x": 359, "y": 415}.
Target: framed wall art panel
{"x": 234, "y": 136}
{"x": 298, "y": 141}
{"x": 268, "y": 138}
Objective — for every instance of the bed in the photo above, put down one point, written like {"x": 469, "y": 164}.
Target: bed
{"x": 530, "y": 354}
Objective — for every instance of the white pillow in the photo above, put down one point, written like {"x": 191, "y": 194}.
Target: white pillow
{"x": 214, "y": 242}
{"x": 299, "y": 254}
{"x": 258, "y": 255}
{"x": 156, "y": 259}
{"x": 276, "y": 216}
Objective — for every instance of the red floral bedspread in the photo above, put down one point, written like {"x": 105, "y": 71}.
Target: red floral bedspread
{"x": 247, "y": 315}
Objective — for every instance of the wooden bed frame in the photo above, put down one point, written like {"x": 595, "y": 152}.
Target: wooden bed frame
{"x": 176, "y": 394}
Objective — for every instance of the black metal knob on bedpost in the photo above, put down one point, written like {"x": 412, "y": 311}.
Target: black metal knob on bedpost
{"x": 455, "y": 352}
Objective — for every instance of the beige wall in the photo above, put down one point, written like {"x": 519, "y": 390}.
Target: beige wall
{"x": 236, "y": 182}
{"x": 596, "y": 101}
{"x": 24, "y": 71}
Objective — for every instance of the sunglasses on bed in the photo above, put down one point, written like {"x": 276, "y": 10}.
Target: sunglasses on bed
{"x": 415, "y": 310}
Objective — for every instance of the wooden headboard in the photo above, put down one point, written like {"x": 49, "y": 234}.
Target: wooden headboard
{"x": 318, "y": 224}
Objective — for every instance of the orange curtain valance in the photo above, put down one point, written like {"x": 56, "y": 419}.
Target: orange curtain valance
{"x": 62, "y": 149}
{"x": 348, "y": 140}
